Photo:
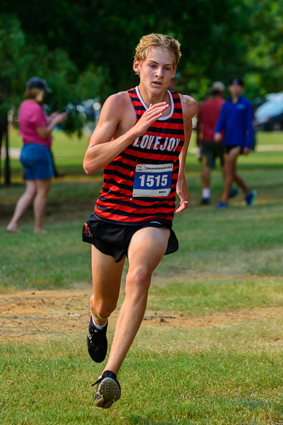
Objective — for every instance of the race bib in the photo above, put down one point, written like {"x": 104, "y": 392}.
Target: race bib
{"x": 152, "y": 180}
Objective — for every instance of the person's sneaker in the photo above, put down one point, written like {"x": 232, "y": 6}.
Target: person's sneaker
{"x": 205, "y": 201}
{"x": 250, "y": 199}
{"x": 234, "y": 192}
{"x": 96, "y": 342}
{"x": 222, "y": 205}
{"x": 108, "y": 390}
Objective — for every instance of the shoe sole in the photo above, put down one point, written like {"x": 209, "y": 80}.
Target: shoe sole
{"x": 109, "y": 392}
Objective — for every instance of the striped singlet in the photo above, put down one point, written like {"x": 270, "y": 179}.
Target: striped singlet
{"x": 140, "y": 183}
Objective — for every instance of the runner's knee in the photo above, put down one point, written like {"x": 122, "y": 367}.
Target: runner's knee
{"x": 139, "y": 278}
{"x": 102, "y": 309}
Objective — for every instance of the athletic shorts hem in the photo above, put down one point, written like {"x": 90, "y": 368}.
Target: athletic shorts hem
{"x": 228, "y": 148}
{"x": 212, "y": 150}
{"x": 113, "y": 239}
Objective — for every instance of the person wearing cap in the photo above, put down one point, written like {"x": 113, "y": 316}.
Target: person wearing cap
{"x": 210, "y": 149}
{"x": 236, "y": 119}
{"x": 35, "y": 129}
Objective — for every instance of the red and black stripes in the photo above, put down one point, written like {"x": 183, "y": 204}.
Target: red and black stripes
{"x": 161, "y": 144}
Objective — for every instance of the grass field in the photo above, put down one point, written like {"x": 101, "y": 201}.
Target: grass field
{"x": 217, "y": 361}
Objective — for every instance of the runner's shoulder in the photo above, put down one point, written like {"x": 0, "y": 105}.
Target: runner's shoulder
{"x": 118, "y": 100}
{"x": 189, "y": 106}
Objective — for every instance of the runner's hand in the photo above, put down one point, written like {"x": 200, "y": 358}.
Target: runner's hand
{"x": 149, "y": 117}
{"x": 217, "y": 137}
{"x": 246, "y": 151}
{"x": 183, "y": 206}
{"x": 184, "y": 194}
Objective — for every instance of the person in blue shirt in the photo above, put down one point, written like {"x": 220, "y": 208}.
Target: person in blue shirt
{"x": 236, "y": 119}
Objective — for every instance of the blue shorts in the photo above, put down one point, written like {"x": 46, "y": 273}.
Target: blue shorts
{"x": 37, "y": 162}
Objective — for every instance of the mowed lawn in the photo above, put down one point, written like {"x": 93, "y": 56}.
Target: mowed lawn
{"x": 229, "y": 266}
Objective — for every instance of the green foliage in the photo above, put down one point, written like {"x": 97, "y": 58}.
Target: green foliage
{"x": 12, "y": 59}
{"x": 219, "y": 39}
{"x": 264, "y": 47}
{"x": 22, "y": 58}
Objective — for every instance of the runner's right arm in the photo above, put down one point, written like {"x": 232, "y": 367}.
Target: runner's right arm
{"x": 102, "y": 147}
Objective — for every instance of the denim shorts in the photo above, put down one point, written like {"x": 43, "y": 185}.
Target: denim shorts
{"x": 114, "y": 239}
{"x": 37, "y": 162}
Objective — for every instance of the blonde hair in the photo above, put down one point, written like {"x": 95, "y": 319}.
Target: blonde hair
{"x": 35, "y": 93}
{"x": 147, "y": 42}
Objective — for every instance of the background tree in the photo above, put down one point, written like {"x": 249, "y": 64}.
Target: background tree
{"x": 104, "y": 34}
{"x": 85, "y": 48}
{"x": 20, "y": 60}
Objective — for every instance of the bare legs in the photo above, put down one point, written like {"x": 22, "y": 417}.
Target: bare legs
{"x": 205, "y": 177}
{"x": 230, "y": 174}
{"x": 240, "y": 182}
{"x": 145, "y": 252}
{"x": 39, "y": 204}
{"x": 22, "y": 205}
{"x": 106, "y": 276}
{"x": 36, "y": 192}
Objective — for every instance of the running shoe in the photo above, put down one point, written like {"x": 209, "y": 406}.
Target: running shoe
{"x": 250, "y": 199}
{"x": 96, "y": 342}
{"x": 108, "y": 390}
{"x": 222, "y": 205}
{"x": 205, "y": 201}
{"x": 234, "y": 192}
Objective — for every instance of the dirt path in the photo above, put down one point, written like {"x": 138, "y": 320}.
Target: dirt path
{"x": 28, "y": 315}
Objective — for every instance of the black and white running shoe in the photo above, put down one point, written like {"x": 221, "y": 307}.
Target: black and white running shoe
{"x": 108, "y": 390}
{"x": 96, "y": 342}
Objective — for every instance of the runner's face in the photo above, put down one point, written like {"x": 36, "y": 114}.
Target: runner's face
{"x": 156, "y": 71}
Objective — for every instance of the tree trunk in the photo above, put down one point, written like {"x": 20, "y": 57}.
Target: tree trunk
{"x": 7, "y": 159}
{"x": 1, "y": 137}
{"x": 4, "y": 134}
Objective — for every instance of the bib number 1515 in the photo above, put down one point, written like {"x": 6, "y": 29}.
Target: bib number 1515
{"x": 152, "y": 180}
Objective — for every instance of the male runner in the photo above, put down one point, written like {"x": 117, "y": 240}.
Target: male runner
{"x": 141, "y": 141}
{"x": 236, "y": 119}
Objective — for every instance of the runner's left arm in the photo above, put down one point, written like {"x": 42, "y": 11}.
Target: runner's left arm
{"x": 190, "y": 108}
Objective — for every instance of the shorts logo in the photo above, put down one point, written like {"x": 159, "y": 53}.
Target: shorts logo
{"x": 86, "y": 230}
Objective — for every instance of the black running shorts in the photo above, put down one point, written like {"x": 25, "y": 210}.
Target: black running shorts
{"x": 210, "y": 152}
{"x": 114, "y": 239}
{"x": 228, "y": 148}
